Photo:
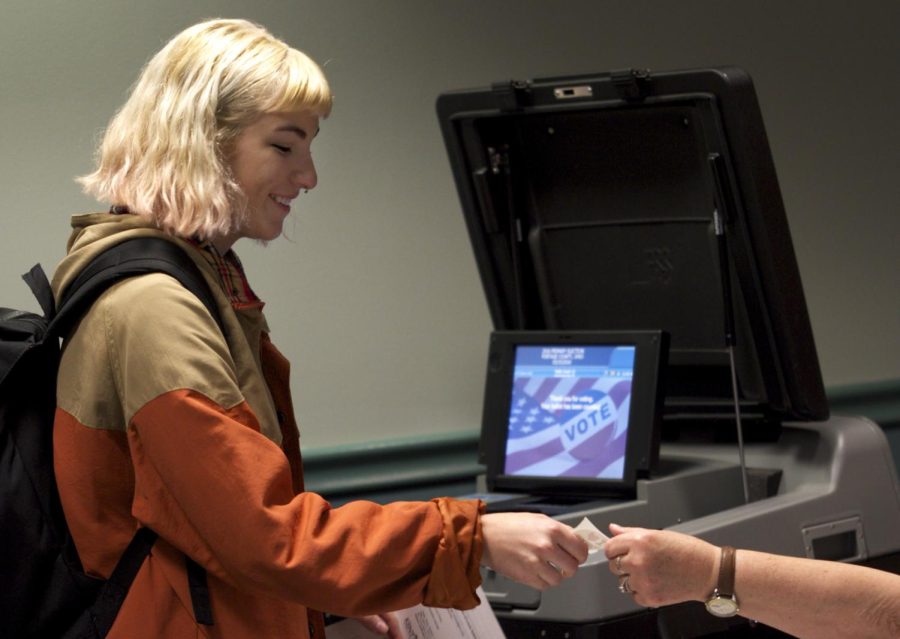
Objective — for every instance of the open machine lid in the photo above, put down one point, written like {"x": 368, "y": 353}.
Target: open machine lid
{"x": 599, "y": 202}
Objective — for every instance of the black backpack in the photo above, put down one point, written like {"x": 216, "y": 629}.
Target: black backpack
{"x": 44, "y": 592}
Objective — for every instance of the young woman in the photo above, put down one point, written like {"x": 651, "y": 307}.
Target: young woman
{"x": 164, "y": 421}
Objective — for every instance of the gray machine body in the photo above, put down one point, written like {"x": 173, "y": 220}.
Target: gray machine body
{"x": 838, "y": 498}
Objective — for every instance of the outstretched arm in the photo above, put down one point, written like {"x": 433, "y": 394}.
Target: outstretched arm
{"x": 530, "y": 548}
{"x": 804, "y": 597}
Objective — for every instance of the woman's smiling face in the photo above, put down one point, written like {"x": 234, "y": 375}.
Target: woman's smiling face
{"x": 271, "y": 162}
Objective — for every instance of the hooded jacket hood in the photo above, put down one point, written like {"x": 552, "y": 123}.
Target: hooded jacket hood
{"x": 93, "y": 233}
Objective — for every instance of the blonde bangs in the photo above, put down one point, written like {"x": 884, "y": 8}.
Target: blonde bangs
{"x": 303, "y": 86}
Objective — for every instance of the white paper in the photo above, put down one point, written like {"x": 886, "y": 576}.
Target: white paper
{"x": 422, "y": 622}
{"x": 591, "y": 534}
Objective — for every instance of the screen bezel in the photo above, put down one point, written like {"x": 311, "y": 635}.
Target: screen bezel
{"x": 642, "y": 443}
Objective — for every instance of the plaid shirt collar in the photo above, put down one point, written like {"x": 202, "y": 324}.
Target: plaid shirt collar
{"x": 231, "y": 273}
{"x": 228, "y": 266}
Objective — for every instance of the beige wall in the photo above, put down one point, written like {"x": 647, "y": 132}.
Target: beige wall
{"x": 376, "y": 298}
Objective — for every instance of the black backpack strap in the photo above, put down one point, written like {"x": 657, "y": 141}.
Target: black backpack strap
{"x": 112, "y": 595}
{"x": 39, "y": 284}
{"x": 106, "y": 607}
{"x": 199, "y": 592}
{"x": 138, "y": 256}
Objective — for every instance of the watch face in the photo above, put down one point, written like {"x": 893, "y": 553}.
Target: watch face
{"x": 722, "y": 606}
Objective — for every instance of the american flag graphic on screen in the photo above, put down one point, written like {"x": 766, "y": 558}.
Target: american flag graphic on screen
{"x": 568, "y": 426}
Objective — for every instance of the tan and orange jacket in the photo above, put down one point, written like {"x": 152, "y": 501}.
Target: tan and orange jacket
{"x": 164, "y": 422}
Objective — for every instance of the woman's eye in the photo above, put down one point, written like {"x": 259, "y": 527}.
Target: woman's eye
{"x": 282, "y": 149}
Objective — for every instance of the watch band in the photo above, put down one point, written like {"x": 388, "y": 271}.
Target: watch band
{"x": 725, "y": 587}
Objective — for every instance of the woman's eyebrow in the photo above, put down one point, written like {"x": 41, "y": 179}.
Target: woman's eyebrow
{"x": 293, "y": 128}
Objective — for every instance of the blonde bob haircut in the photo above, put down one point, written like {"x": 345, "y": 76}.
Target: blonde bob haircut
{"x": 164, "y": 154}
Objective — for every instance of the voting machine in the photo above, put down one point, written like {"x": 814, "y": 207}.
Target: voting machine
{"x": 639, "y": 202}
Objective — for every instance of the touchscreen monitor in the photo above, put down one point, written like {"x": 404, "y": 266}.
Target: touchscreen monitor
{"x": 572, "y": 413}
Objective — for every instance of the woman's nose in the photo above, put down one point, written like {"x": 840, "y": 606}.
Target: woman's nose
{"x": 304, "y": 176}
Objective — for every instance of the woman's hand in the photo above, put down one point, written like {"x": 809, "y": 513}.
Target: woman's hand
{"x": 385, "y": 624}
{"x": 530, "y": 548}
{"x": 662, "y": 567}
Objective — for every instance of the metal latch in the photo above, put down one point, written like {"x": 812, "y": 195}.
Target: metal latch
{"x": 512, "y": 95}
{"x": 632, "y": 84}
